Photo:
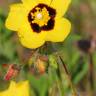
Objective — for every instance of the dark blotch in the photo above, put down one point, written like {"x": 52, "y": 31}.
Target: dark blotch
{"x": 36, "y": 27}
{"x": 50, "y": 25}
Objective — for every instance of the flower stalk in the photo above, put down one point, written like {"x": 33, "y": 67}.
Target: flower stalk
{"x": 91, "y": 74}
{"x": 74, "y": 92}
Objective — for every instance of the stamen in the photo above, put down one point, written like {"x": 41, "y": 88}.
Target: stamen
{"x": 39, "y": 16}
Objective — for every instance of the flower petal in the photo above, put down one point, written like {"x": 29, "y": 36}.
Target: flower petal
{"x": 12, "y": 85}
{"x": 22, "y": 88}
{"x": 47, "y": 2}
{"x": 15, "y": 17}
{"x": 4, "y": 93}
{"x": 17, "y": 89}
{"x": 10, "y": 90}
{"x": 29, "y": 38}
{"x": 61, "y": 6}
{"x": 30, "y": 3}
{"x": 60, "y": 31}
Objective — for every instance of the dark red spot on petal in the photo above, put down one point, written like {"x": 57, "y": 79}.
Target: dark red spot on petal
{"x": 36, "y": 27}
{"x": 49, "y": 26}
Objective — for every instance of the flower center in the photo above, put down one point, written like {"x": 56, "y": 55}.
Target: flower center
{"x": 39, "y": 16}
{"x": 42, "y": 17}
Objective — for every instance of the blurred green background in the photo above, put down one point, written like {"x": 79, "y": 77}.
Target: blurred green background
{"x": 78, "y": 52}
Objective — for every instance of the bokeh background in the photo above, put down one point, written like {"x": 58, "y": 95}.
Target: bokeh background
{"x": 78, "y": 52}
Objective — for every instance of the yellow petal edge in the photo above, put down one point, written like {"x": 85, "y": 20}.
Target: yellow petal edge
{"x": 17, "y": 89}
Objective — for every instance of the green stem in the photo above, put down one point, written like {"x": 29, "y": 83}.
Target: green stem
{"x": 91, "y": 74}
{"x": 74, "y": 92}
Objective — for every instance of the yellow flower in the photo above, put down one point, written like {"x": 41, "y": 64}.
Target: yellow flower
{"x": 37, "y": 21}
{"x": 17, "y": 89}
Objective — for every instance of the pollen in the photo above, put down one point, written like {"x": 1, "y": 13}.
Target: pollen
{"x": 41, "y": 16}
